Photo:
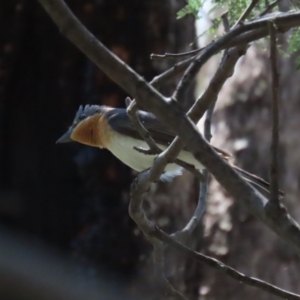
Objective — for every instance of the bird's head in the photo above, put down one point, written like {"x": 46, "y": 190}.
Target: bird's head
{"x": 89, "y": 127}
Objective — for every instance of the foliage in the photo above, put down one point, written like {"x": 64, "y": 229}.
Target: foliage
{"x": 294, "y": 45}
{"x": 192, "y": 7}
{"x": 235, "y": 9}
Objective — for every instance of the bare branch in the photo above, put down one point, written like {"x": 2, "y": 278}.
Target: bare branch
{"x": 216, "y": 46}
{"x": 208, "y": 119}
{"x": 195, "y": 219}
{"x": 153, "y": 148}
{"x": 158, "y": 254}
{"x": 190, "y": 168}
{"x": 246, "y": 36}
{"x": 171, "y": 113}
{"x": 140, "y": 186}
{"x": 207, "y": 101}
{"x": 175, "y": 55}
{"x": 127, "y": 101}
{"x": 225, "y": 21}
{"x": 217, "y": 265}
{"x": 185, "y": 233}
{"x": 210, "y": 95}
{"x": 275, "y": 118}
{"x": 269, "y": 8}
{"x": 203, "y": 185}
{"x": 131, "y": 111}
{"x": 246, "y": 13}
{"x": 136, "y": 211}
{"x": 177, "y": 69}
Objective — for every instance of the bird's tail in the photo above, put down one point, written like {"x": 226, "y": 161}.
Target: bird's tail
{"x": 256, "y": 181}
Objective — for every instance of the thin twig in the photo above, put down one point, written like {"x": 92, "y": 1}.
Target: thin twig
{"x": 190, "y": 168}
{"x": 172, "y": 115}
{"x": 158, "y": 254}
{"x": 275, "y": 118}
{"x": 214, "y": 47}
{"x": 269, "y": 8}
{"x": 186, "y": 232}
{"x": 177, "y": 161}
{"x": 202, "y": 104}
{"x": 127, "y": 101}
{"x": 131, "y": 111}
{"x": 217, "y": 265}
{"x": 240, "y": 36}
{"x": 207, "y": 102}
{"x": 225, "y": 71}
{"x": 178, "y": 68}
{"x": 195, "y": 219}
{"x": 203, "y": 185}
{"x": 175, "y": 55}
{"x": 246, "y": 13}
{"x": 225, "y": 21}
{"x": 138, "y": 188}
{"x": 207, "y": 122}
{"x": 153, "y": 147}
{"x": 182, "y": 87}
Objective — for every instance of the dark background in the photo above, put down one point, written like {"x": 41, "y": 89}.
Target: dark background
{"x": 71, "y": 196}
{"x": 73, "y": 199}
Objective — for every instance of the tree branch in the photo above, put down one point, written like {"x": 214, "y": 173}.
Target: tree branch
{"x": 139, "y": 187}
{"x": 229, "y": 271}
{"x": 172, "y": 115}
{"x": 144, "y": 133}
{"x": 195, "y": 219}
{"x": 177, "y": 69}
{"x": 246, "y": 13}
{"x": 275, "y": 118}
{"x": 175, "y": 55}
{"x": 277, "y": 18}
{"x": 246, "y": 36}
{"x": 225, "y": 21}
{"x": 153, "y": 148}
{"x": 210, "y": 96}
{"x": 158, "y": 254}
{"x": 269, "y": 8}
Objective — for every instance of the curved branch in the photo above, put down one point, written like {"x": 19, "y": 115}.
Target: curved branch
{"x": 229, "y": 271}
{"x": 171, "y": 113}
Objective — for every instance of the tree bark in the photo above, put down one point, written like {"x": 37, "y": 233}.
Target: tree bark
{"x": 243, "y": 126}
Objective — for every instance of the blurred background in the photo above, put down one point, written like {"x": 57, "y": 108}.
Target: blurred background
{"x": 67, "y": 205}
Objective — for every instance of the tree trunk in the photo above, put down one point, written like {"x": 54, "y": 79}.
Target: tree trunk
{"x": 242, "y": 123}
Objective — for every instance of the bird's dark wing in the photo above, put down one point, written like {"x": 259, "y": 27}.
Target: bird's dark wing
{"x": 120, "y": 122}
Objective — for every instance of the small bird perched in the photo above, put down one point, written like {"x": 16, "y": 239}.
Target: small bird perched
{"x": 110, "y": 128}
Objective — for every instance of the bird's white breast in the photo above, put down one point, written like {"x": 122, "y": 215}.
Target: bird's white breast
{"x": 122, "y": 147}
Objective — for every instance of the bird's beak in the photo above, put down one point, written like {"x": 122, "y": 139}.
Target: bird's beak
{"x": 65, "y": 138}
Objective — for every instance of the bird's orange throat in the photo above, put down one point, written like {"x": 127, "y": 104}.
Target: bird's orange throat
{"x": 93, "y": 131}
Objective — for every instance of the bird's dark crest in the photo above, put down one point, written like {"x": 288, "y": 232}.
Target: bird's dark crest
{"x": 86, "y": 111}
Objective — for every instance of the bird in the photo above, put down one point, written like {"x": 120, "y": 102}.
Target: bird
{"x": 110, "y": 128}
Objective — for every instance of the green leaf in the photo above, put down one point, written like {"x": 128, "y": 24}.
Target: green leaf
{"x": 192, "y": 7}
